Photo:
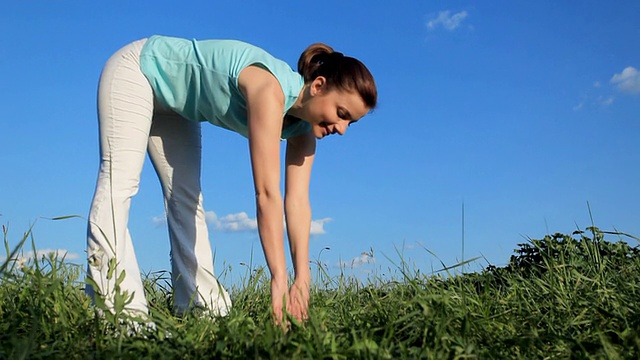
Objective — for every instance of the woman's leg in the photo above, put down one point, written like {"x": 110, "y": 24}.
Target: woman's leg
{"x": 175, "y": 151}
{"x": 125, "y": 110}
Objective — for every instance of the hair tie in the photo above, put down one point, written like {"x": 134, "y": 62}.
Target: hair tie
{"x": 327, "y": 56}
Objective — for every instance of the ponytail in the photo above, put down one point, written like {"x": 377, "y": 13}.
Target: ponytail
{"x": 311, "y": 59}
{"x": 342, "y": 72}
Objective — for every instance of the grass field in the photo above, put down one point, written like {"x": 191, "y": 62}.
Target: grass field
{"x": 564, "y": 296}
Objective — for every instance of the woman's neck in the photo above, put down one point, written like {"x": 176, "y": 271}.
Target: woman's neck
{"x": 297, "y": 110}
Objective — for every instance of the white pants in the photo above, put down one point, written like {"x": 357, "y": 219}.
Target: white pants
{"x": 130, "y": 125}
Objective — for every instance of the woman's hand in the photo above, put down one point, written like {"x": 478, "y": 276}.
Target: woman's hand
{"x": 279, "y": 299}
{"x": 295, "y": 302}
{"x": 298, "y": 302}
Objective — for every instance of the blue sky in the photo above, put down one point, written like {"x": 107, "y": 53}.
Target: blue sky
{"x": 523, "y": 111}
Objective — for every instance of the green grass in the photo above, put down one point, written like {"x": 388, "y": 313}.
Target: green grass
{"x": 564, "y": 296}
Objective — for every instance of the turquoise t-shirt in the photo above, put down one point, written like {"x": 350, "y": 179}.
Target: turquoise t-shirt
{"x": 199, "y": 80}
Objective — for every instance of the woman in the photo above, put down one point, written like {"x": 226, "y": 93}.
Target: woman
{"x": 152, "y": 96}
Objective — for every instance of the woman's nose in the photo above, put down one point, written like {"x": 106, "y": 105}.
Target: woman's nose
{"x": 342, "y": 127}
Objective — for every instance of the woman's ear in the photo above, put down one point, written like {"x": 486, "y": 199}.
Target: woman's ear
{"x": 318, "y": 86}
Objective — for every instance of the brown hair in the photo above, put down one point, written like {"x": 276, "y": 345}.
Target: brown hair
{"x": 342, "y": 72}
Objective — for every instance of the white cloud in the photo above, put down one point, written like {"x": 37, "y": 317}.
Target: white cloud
{"x": 592, "y": 102}
{"x": 210, "y": 217}
{"x": 159, "y": 221}
{"x": 579, "y": 106}
{"x": 596, "y": 84}
{"x": 240, "y": 222}
{"x": 628, "y": 81}
{"x": 317, "y": 226}
{"x": 446, "y": 20}
{"x": 42, "y": 253}
{"x": 605, "y": 100}
{"x": 365, "y": 258}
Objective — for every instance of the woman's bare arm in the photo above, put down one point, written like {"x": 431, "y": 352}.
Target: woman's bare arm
{"x": 299, "y": 161}
{"x": 265, "y": 105}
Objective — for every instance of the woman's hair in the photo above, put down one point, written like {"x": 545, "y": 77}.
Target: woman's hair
{"x": 342, "y": 72}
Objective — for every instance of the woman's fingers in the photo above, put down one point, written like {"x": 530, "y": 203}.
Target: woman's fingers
{"x": 295, "y": 302}
{"x": 299, "y": 301}
{"x": 279, "y": 301}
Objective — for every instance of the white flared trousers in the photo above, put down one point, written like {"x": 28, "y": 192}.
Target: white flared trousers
{"x": 131, "y": 125}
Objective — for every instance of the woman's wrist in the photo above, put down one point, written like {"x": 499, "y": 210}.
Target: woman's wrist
{"x": 280, "y": 277}
{"x": 303, "y": 275}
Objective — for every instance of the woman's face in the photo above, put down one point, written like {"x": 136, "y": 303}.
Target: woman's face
{"x": 332, "y": 111}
